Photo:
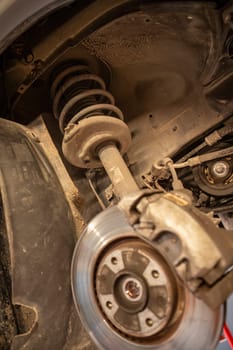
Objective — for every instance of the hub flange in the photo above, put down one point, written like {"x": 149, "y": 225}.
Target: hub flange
{"x": 135, "y": 288}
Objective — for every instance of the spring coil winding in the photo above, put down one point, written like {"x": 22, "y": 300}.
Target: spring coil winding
{"x": 77, "y": 94}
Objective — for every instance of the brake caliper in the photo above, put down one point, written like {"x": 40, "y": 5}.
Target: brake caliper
{"x": 190, "y": 240}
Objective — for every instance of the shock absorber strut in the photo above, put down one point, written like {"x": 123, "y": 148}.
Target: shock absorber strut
{"x": 95, "y": 134}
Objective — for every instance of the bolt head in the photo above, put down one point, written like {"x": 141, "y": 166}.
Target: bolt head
{"x": 220, "y": 169}
{"x": 132, "y": 289}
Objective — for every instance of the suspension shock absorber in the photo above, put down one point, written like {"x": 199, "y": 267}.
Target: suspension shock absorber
{"x": 95, "y": 134}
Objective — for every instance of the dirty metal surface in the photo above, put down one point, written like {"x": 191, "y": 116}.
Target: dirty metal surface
{"x": 159, "y": 67}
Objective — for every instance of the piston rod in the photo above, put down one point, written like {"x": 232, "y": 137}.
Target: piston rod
{"x": 117, "y": 170}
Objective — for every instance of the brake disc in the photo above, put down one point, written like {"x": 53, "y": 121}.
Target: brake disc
{"x": 128, "y": 297}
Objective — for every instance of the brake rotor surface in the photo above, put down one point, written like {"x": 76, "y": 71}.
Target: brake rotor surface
{"x": 128, "y": 297}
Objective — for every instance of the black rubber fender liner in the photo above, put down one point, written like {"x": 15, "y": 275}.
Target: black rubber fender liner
{"x": 41, "y": 237}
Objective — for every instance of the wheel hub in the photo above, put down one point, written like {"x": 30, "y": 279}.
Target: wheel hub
{"x": 135, "y": 289}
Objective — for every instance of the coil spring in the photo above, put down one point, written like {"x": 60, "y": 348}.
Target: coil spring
{"x": 77, "y": 94}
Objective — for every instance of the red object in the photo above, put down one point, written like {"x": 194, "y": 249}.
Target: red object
{"x": 228, "y": 335}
